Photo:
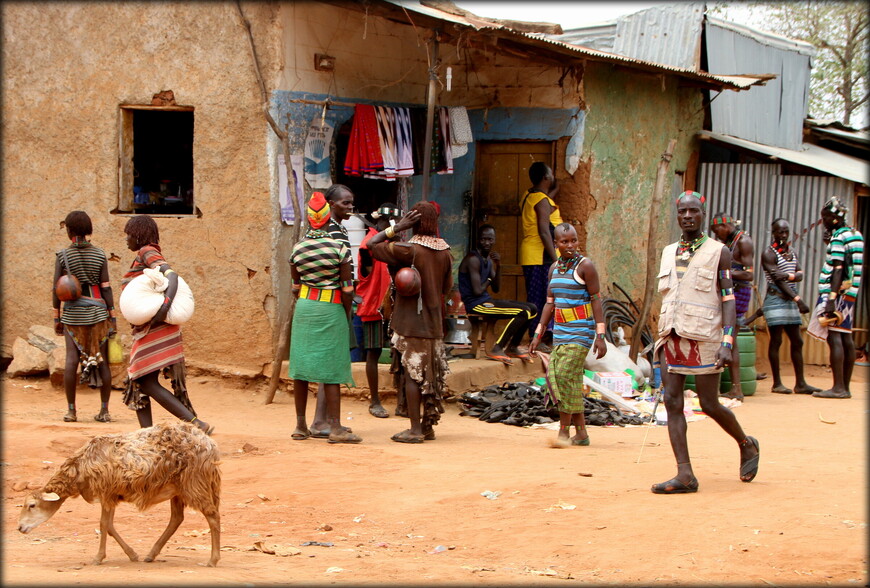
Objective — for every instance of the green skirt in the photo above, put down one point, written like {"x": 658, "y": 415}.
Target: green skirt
{"x": 319, "y": 343}
{"x": 565, "y": 377}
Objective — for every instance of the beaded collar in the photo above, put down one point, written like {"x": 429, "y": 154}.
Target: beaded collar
{"x": 316, "y": 234}
{"x": 685, "y": 249}
{"x": 430, "y": 242}
{"x": 563, "y": 264}
{"x": 783, "y": 250}
{"x": 733, "y": 238}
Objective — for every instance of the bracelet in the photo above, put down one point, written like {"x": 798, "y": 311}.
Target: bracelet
{"x": 728, "y": 331}
{"x": 55, "y": 312}
{"x": 725, "y": 274}
{"x": 599, "y": 329}
{"x": 791, "y": 277}
{"x": 551, "y": 300}
{"x": 832, "y": 296}
{"x": 390, "y": 232}
{"x": 727, "y": 345}
{"x": 596, "y": 296}
{"x": 796, "y": 298}
{"x": 599, "y": 335}
{"x": 57, "y": 320}
{"x": 728, "y": 340}
{"x": 166, "y": 301}
{"x": 169, "y": 271}
{"x": 539, "y": 329}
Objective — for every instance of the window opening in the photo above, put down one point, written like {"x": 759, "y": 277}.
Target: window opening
{"x": 156, "y": 175}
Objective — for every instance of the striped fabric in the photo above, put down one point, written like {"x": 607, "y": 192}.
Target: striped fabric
{"x": 338, "y": 232}
{"x": 86, "y": 263}
{"x": 567, "y": 315}
{"x": 569, "y": 292}
{"x": 847, "y": 246}
{"x": 159, "y": 348}
{"x": 787, "y": 266}
{"x": 319, "y": 260}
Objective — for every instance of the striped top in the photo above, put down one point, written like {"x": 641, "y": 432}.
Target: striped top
{"x": 782, "y": 264}
{"x": 319, "y": 260}
{"x": 847, "y": 245}
{"x": 569, "y": 291}
{"x": 86, "y": 264}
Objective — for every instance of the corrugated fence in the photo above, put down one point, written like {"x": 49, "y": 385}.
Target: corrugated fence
{"x": 757, "y": 194}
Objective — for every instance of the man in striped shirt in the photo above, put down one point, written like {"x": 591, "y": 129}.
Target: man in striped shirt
{"x": 840, "y": 280}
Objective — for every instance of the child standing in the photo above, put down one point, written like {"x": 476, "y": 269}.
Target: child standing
{"x": 579, "y": 325}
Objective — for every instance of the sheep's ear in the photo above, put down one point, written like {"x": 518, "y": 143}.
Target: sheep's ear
{"x": 50, "y": 496}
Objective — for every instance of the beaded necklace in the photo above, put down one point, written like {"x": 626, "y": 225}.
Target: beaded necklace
{"x": 783, "y": 250}
{"x": 735, "y": 236}
{"x": 685, "y": 249}
{"x": 563, "y": 265}
{"x": 316, "y": 233}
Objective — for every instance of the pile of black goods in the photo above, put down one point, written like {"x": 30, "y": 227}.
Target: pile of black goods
{"x": 523, "y": 404}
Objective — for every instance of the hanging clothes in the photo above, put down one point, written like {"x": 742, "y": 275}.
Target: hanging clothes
{"x": 460, "y": 131}
{"x": 363, "y": 149}
{"x": 404, "y": 143}
{"x": 444, "y": 121}
{"x": 418, "y": 132}
{"x": 387, "y": 139}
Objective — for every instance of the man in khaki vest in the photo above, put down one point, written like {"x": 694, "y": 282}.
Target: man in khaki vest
{"x": 696, "y": 335}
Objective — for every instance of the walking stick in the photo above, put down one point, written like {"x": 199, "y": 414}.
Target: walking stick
{"x": 652, "y": 421}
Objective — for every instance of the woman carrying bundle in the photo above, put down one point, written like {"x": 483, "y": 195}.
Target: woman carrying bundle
{"x": 157, "y": 344}
{"x": 87, "y": 322}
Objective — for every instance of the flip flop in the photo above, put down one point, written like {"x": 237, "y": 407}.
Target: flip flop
{"x": 379, "y": 412}
{"x": 70, "y": 417}
{"x": 749, "y": 468}
{"x": 781, "y": 390}
{"x": 674, "y": 486}
{"x": 103, "y": 418}
{"x": 806, "y": 390}
{"x": 583, "y": 442}
{"x": 407, "y": 437}
{"x": 521, "y": 356}
{"x": 324, "y": 434}
{"x": 300, "y": 436}
{"x": 502, "y": 358}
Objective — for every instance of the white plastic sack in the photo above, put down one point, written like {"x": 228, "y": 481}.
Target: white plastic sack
{"x": 615, "y": 360}
{"x": 141, "y": 299}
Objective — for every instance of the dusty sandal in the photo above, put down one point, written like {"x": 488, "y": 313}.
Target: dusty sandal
{"x": 70, "y": 417}
{"x": 379, "y": 412}
{"x": 674, "y": 486}
{"x": 103, "y": 417}
{"x": 749, "y": 468}
{"x": 345, "y": 436}
{"x": 299, "y": 435}
{"x": 407, "y": 436}
{"x": 780, "y": 390}
{"x": 502, "y": 358}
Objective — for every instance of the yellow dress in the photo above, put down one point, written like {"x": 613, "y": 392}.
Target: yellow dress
{"x": 532, "y": 248}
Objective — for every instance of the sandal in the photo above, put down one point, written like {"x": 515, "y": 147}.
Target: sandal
{"x": 806, "y": 389}
{"x": 407, "y": 436}
{"x": 582, "y": 442}
{"x": 674, "y": 486}
{"x": 103, "y": 417}
{"x": 429, "y": 435}
{"x": 298, "y": 435}
{"x": 70, "y": 417}
{"x": 345, "y": 436}
{"x": 521, "y": 356}
{"x": 781, "y": 390}
{"x": 749, "y": 468}
{"x": 502, "y": 358}
{"x": 378, "y": 411}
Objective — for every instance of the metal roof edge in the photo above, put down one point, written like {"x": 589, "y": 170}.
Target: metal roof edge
{"x": 811, "y": 156}
{"x": 765, "y": 37}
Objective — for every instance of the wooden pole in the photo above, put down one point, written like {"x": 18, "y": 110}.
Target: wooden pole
{"x": 651, "y": 249}
{"x": 430, "y": 116}
{"x": 286, "y": 302}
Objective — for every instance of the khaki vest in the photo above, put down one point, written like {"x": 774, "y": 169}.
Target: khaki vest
{"x": 692, "y": 306}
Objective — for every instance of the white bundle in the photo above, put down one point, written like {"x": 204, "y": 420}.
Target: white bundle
{"x": 142, "y": 297}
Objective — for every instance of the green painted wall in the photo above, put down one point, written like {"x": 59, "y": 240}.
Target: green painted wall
{"x": 629, "y": 121}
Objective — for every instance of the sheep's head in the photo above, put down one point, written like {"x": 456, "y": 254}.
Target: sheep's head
{"x": 38, "y": 508}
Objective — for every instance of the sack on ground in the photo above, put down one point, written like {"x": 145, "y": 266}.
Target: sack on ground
{"x": 141, "y": 299}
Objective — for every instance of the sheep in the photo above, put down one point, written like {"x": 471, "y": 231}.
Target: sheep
{"x": 175, "y": 462}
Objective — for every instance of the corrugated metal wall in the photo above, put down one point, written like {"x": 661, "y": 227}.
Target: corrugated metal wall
{"x": 772, "y": 114}
{"x": 758, "y": 193}
{"x": 663, "y": 34}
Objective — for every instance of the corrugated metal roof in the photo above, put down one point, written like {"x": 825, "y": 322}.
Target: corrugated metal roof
{"x": 663, "y": 34}
{"x": 598, "y": 37}
{"x": 541, "y": 42}
{"x": 811, "y": 156}
{"x": 765, "y": 37}
{"x": 772, "y": 115}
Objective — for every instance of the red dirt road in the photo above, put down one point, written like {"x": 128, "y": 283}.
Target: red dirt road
{"x": 389, "y": 505}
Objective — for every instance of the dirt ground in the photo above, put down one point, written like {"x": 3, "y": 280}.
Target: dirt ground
{"x": 389, "y": 506}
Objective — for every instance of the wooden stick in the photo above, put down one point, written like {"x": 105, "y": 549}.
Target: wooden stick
{"x": 651, "y": 250}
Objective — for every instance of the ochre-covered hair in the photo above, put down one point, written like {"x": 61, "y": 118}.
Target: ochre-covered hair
{"x": 428, "y": 223}
{"x": 143, "y": 229}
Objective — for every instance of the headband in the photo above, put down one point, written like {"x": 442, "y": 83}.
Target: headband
{"x": 688, "y": 194}
{"x": 386, "y": 210}
{"x": 318, "y": 211}
{"x": 836, "y": 207}
{"x": 725, "y": 220}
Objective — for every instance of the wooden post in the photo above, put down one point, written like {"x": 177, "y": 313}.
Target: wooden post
{"x": 651, "y": 250}
{"x": 430, "y": 116}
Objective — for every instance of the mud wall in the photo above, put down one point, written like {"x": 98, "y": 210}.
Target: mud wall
{"x": 67, "y": 67}
{"x": 630, "y": 119}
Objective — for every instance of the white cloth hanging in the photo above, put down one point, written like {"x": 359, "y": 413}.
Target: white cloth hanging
{"x": 460, "y": 131}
